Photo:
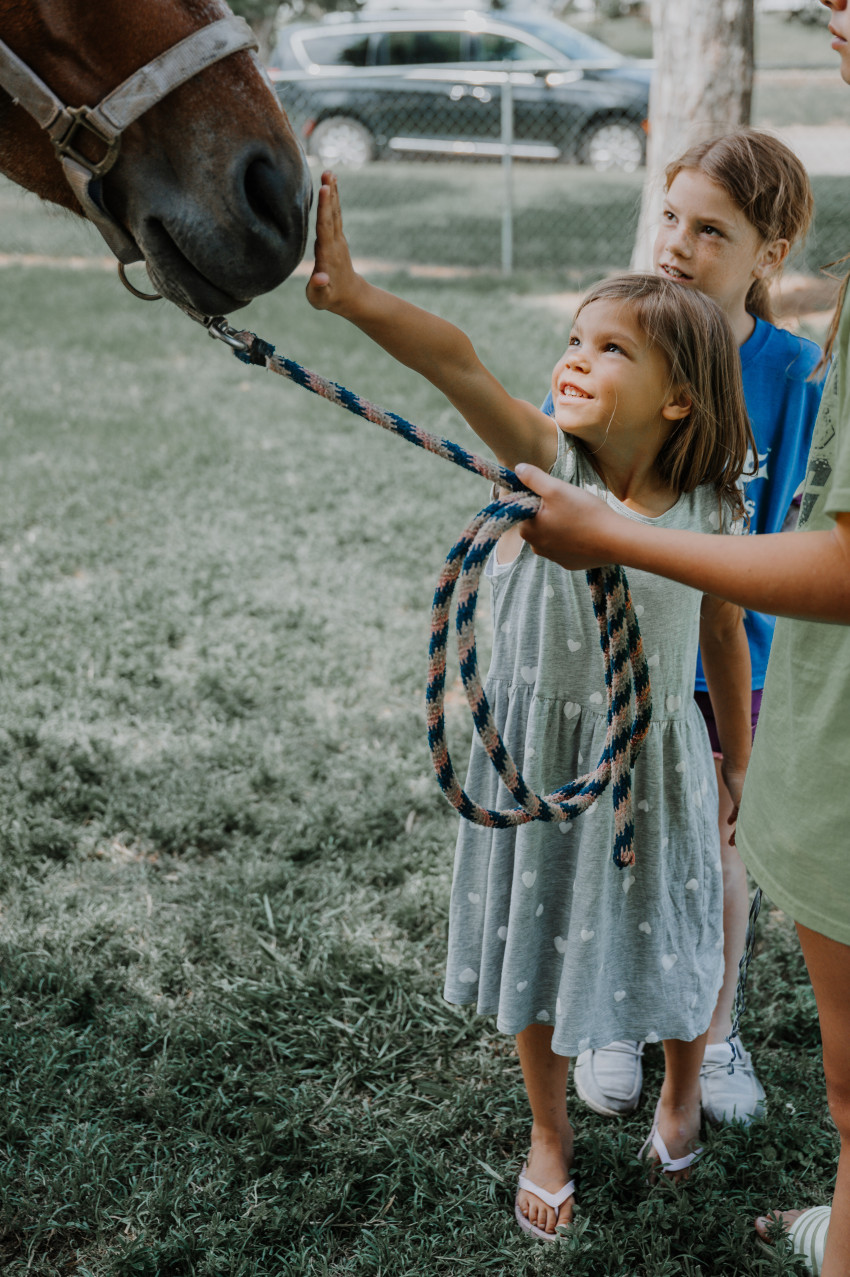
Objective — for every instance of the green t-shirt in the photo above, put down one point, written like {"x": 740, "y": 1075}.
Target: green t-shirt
{"x": 794, "y": 826}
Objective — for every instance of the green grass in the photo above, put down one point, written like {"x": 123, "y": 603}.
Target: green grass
{"x": 452, "y": 214}
{"x": 570, "y": 225}
{"x": 787, "y": 98}
{"x": 796, "y": 80}
{"x": 28, "y": 226}
{"x": 224, "y": 861}
{"x": 779, "y": 42}
{"x": 792, "y": 43}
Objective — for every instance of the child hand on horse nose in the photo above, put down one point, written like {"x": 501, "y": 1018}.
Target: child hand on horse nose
{"x": 334, "y": 277}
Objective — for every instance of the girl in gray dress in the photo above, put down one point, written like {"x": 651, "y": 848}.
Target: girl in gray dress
{"x": 567, "y": 950}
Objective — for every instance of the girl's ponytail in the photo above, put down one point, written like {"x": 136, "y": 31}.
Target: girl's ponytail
{"x": 758, "y": 301}
{"x": 829, "y": 340}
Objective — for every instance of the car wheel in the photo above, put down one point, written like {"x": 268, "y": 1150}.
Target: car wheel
{"x": 341, "y": 140}
{"x": 614, "y": 144}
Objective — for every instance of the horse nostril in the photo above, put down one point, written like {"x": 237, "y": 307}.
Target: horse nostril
{"x": 268, "y": 196}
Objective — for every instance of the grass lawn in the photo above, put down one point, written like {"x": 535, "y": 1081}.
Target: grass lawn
{"x": 224, "y": 860}
{"x": 779, "y": 42}
{"x": 796, "y": 81}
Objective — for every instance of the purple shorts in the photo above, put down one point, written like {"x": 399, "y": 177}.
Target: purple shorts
{"x": 703, "y": 701}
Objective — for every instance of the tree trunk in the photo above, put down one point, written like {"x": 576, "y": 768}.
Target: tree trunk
{"x": 702, "y": 84}
{"x": 264, "y": 29}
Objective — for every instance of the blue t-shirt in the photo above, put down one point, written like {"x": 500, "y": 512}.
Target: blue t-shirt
{"x": 782, "y": 405}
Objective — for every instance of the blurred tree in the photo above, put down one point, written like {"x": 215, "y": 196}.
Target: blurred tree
{"x": 702, "y": 84}
{"x": 262, "y": 15}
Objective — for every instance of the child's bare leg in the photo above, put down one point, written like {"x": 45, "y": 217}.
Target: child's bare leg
{"x": 829, "y": 971}
{"x": 679, "y": 1105}
{"x": 736, "y": 909}
{"x": 738, "y": 1096}
{"x": 551, "y": 1154}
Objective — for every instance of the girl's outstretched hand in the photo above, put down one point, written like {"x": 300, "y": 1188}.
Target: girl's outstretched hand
{"x": 572, "y": 527}
{"x": 334, "y": 279}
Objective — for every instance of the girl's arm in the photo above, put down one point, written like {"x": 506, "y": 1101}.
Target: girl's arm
{"x": 431, "y": 346}
{"x": 784, "y": 573}
{"x": 726, "y": 664}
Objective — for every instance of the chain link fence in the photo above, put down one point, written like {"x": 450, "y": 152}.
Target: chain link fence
{"x": 513, "y": 171}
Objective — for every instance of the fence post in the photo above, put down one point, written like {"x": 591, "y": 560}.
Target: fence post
{"x": 507, "y": 175}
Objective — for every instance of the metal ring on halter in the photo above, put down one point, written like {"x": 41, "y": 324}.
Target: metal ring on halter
{"x": 217, "y": 326}
{"x": 146, "y": 297}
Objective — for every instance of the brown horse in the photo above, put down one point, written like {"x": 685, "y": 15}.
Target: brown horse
{"x": 210, "y": 186}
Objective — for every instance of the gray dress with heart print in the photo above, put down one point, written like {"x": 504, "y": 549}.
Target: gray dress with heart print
{"x": 543, "y": 927}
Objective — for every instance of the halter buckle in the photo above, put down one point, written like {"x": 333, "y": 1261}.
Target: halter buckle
{"x": 217, "y": 326}
{"x": 83, "y": 117}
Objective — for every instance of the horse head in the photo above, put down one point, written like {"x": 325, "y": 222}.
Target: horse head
{"x": 209, "y": 185}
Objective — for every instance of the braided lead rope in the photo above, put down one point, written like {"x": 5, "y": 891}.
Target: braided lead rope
{"x": 626, "y": 673}
{"x": 260, "y": 352}
{"x": 609, "y": 592}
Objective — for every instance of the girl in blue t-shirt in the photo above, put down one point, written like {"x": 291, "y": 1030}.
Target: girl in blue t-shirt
{"x": 734, "y": 207}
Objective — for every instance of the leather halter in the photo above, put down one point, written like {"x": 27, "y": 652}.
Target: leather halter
{"x": 120, "y": 108}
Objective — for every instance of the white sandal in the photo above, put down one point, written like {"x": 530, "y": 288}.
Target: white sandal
{"x": 668, "y": 1165}
{"x": 555, "y": 1200}
{"x": 807, "y": 1235}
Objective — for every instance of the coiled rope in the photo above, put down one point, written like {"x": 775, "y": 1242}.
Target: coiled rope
{"x": 626, "y": 673}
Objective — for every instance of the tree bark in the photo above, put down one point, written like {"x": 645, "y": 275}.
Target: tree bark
{"x": 264, "y": 29}
{"x": 702, "y": 84}
{"x": 262, "y": 16}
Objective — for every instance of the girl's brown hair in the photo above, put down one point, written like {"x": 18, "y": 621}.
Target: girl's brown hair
{"x": 829, "y": 340}
{"x": 710, "y": 445}
{"x": 765, "y": 180}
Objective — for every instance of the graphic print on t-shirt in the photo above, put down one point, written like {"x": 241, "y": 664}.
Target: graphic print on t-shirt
{"x": 749, "y": 477}
{"x": 820, "y": 459}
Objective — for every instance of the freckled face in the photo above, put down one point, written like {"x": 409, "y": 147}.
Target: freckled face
{"x": 839, "y": 29}
{"x": 705, "y": 241}
{"x": 609, "y": 379}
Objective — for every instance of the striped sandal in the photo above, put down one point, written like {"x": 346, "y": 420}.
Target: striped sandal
{"x": 807, "y": 1235}
{"x": 555, "y": 1200}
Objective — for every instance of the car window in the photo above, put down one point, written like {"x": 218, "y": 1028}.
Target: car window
{"x": 489, "y": 47}
{"x": 341, "y": 50}
{"x": 415, "y": 48}
{"x": 573, "y": 44}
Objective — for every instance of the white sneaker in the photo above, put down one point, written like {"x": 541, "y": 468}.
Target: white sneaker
{"x": 609, "y": 1078}
{"x": 725, "y": 1096}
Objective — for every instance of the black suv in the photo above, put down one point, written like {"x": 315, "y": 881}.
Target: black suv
{"x": 371, "y": 85}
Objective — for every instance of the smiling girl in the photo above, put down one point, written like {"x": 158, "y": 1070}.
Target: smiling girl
{"x": 734, "y": 207}
{"x": 568, "y": 951}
